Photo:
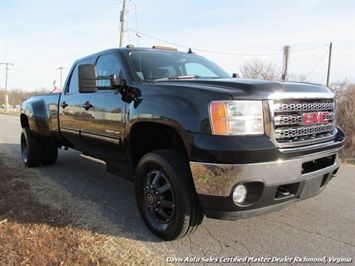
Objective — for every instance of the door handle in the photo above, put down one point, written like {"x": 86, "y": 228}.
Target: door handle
{"x": 64, "y": 104}
{"x": 87, "y": 105}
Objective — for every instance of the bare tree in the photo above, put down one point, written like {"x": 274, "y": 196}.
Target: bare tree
{"x": 17, "y": 96}
{"x": 257, "y": 69}
{"x": 345, "y": 94}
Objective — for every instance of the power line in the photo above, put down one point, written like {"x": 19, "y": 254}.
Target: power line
{"x": 309, "y": 49}
{"x": 224, "y": 53}
{"x": 197, "y": 49}
{"x": 320, "y": 61}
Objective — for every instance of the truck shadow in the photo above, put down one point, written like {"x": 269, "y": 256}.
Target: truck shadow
{"x": 94, "y": 199}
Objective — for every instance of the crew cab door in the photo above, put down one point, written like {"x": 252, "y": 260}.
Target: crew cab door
{"x": 103, "y": 115}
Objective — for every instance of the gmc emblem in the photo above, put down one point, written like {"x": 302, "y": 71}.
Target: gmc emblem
{"x": 315, "y": 118}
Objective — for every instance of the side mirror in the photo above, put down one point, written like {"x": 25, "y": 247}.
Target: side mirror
{"x": 116, "y": 81}
{"x": 87, "y": 78}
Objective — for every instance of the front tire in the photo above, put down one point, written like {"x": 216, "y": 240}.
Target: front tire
{"x": 30, "y": 148}
{"x": 165, "y": 195}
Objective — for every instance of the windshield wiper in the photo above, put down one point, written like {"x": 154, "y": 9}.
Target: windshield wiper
{"x": 178, "y": 78}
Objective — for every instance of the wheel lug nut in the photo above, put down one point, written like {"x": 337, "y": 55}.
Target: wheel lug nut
{"x": 158, "y": 202}
{"x": 156, "y": 209}
{"x": 156, "y": 192}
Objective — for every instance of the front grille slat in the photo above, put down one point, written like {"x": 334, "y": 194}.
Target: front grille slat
{"x": 302, "y": 131}
{"x": 296, "y": 119}
{"x": 299, "y": 107}
{"x": 299, "y": 121}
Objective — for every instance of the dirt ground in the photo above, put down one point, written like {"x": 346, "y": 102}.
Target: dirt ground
{"x": 35, "y": 233}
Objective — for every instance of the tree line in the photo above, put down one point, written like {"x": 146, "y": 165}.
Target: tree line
{"x": 17, "y": 96}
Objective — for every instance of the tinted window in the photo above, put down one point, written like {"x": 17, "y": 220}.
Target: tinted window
{"x": 74, "y": 81}
{"x": 107, "y": 65}
{"x": 153, "y": 65}
{"x": 196, "y": 69}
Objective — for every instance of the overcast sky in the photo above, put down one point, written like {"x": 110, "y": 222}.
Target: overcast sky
{"x": 38, "y": 37}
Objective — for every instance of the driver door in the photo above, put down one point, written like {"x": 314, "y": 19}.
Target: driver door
{"x": 103, "y": 115}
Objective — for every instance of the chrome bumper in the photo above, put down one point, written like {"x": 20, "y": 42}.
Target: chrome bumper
{"x": 220, "y": 179}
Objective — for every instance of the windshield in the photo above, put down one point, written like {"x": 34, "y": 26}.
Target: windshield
{"x": 172, "y": 65}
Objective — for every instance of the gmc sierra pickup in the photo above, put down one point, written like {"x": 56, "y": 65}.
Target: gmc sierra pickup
{"x": 194, "y": 140}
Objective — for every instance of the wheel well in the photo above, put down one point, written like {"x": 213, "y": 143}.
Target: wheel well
{"x": 24, "y": 121}
{"x": 146, "y": 137}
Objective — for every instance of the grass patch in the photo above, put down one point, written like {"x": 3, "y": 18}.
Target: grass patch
{"x": 33, "y": 233}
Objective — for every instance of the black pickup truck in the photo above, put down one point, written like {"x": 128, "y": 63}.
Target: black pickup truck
{"x": 193, "y": 139}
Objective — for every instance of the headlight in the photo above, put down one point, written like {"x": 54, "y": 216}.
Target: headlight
{"x": 236, "y": 117}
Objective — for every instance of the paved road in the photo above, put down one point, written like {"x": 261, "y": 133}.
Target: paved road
{"x": 323, "y": 226}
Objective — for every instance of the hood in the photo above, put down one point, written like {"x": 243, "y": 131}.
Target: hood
{"x": 250, "y": 89}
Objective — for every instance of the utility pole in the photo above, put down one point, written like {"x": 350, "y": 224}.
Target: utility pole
{"x": 6, "y": 96}
{"x": 61, "y": 75}
{"x": 329, "y": 61}
{"x": 285, "y": 63}
{"x": 123, "y": 20}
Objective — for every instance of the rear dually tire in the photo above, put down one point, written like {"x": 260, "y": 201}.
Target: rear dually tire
{"x": 30, "y": 148}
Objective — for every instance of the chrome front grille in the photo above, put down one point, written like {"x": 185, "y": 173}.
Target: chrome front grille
{"x": 294, "y": 106}
{"x": 299, "y": 122}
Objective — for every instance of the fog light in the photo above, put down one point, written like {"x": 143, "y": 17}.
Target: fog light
{"x": 239, "y": 194}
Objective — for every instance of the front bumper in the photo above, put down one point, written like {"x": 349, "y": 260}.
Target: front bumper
{"x": 301, "y": 178}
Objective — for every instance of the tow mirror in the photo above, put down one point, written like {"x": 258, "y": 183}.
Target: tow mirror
{"x": 87, "y": 78}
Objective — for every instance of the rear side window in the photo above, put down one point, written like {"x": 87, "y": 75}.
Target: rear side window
{"x": 74, "y": 81}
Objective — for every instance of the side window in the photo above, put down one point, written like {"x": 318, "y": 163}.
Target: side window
{"x": 199, "y": 70}
{"x": 107, "y": 65}
{"x": 74, "y": 81}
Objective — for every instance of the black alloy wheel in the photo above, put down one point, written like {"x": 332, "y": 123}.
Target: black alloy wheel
{"x": 166, "y": 196}
{"x": 159, "y": 197}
